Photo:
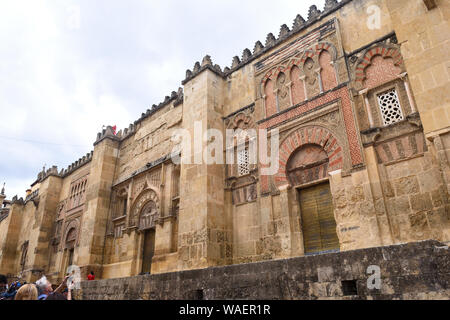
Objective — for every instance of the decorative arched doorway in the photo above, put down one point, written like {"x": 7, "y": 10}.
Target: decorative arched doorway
{"x": 308, "y": 166}
{"x": 69, "y": 247}
{"x": 147, "y": 223}
{"x": 146, "y": 212}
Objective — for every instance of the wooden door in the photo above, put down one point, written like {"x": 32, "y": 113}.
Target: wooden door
{"x": 149, "y": 251}
{"x": 318, "y": 223}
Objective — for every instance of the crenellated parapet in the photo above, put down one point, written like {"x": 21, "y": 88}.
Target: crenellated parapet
{"x": 44, "y": 174}
{"x": 199, "y": 68}
{"x": 107, "y": 133}
{"x": 77, "y": 164}
{"x": 54, "y": 172}
{"x": 17, "y": 200}
{"x": 127, "y": 131}
{"x": 176, "y": 97}
{"x": 32, "y": 196}
{"x": 300, "y": 24}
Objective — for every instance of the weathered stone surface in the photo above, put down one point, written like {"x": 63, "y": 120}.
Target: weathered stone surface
{"x": 416, "y": 270}
{"x": 389, "y": 184}
{"x": 408, "y": 185}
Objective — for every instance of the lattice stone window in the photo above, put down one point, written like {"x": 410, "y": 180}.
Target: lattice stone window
{"x": 391, "y": 110}
{"x": 243, "y": 162}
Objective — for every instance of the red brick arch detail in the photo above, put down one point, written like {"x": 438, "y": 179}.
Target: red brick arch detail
{"x": 277, "y": 73}
{"x": 314, "y": 135}
{"x": 366, "y": 60}
{"x": 292, "y": 63}
{"x": 273, "y": 74}
{"x": 310, "y": 53}
{"x": 325, "y": 46}
{"x": 267, "y": 77}
{"x": 248, "y": 121}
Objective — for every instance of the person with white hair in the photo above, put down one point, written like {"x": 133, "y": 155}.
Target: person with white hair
{"x": 45, "y": 288}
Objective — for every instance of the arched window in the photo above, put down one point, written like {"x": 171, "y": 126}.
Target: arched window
{"x": 271, "y": 104}
{"x": 311, "y": 78}
{"x": 328, "y": 72}
{"x": 386, "y": 96}
{"x": 298, "y": 89}
{"x": 381, "y": 70}
{"x": 284, "y": 101}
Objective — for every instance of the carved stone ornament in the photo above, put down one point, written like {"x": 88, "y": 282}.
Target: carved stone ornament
{"x": 145, "y": 210}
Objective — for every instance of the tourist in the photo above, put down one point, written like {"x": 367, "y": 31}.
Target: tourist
{"x": 10, "y": 292}
{"x": 27, "y": 292}
{"x": 45, "y": 288}
{"x": 65, "y": 292}
{"x": 91, "y": 276}
{"x": 3, "y": 284}
{"x": 62, "y": 285}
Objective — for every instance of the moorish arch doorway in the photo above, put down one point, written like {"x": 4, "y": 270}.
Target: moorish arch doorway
{"x": 147, "y": 227}
{"x": 146, "y": 211}
{"x": 69, "y": 248}
{"x": 307, "y": 171}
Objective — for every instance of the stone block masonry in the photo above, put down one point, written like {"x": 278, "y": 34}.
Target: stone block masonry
{"x": 418, "y": 270}
{"x": 362, "y": 120}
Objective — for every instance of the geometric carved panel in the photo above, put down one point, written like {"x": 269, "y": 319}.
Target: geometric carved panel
{"x": 390, "y": 107}
{"x": 243, "y": 162}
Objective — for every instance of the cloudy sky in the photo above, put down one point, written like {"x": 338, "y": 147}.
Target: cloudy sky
{"x": 67, "y": 67}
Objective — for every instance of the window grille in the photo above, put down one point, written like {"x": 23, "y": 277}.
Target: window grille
{"x": 243, "y": 162}
{"x": 391, "y": 110}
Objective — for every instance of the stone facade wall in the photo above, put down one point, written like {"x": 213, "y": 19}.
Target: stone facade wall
{"x": 150, "y": 142}
{"x": 426, "y": 57}
{"x": 318, "y": 83}
{"x": 417, "y": 202}
{"x": 10, "y": 229}
{"x": 408, "y": 272}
